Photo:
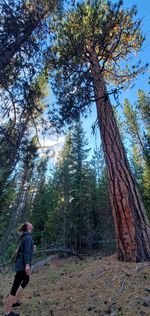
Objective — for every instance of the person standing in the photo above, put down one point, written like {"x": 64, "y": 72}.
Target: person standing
{"x": 22, "y": 268}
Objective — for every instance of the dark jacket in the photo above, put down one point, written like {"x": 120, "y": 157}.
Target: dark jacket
{"x": 25, "y": 252}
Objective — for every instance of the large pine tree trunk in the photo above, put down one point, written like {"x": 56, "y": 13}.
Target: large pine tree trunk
{"x": 131, "y": 223}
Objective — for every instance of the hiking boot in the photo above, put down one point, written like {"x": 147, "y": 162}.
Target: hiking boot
{"x": 16, "y": 304}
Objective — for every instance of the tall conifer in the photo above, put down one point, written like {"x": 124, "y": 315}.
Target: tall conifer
{"x": 89, "y": 54}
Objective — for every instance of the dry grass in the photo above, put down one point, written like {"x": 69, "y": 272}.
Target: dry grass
{"x": 70, "y": 287}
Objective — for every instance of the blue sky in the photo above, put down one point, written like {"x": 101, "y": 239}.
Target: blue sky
{"x": 144, "y": 13}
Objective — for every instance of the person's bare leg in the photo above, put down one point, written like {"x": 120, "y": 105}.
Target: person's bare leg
{"x": 18, "y": 294}
{"x": 8, "y": 304}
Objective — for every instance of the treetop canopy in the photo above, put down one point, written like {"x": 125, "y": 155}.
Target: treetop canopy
{"x": 105, "y": 29}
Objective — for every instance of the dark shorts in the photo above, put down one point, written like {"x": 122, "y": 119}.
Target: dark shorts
{"x": 21, "y": 278}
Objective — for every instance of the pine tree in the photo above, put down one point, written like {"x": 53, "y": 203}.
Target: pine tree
{"x": 41, "y": 203}
{"x": 19, "y": 211}
{"x": 8, "y": 153}
{"x": 53, "y": 223}
{"x": 137, "y": 118}
{"x": 146, "y": 187}
{"x": 89, "y": 51}
{"x": 143, "y": 105}
{"x": 103, "y": 221}
{"x": 142, "y": 175}
{"x": 64, "y": 184}
{"x": 79, "y": 154}
{"x": 134, "y": 126}
{"x": 18, "y": 22}
{"x": 7, "y": 199}
{"x": 90, "y": 205}
{"x": 73, "y": 210}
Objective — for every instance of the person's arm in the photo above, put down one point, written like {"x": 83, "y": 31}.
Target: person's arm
{"x": 27, "y": 254}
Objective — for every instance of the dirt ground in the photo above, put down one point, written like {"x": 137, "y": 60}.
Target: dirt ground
{"x": 93, "y": 286}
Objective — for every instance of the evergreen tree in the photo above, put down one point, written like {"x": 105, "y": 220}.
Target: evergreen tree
{"x": 143, "y": 105}
{"x": 7, "y": 199}
{"x": 89, "y": 51}
{"x": 90, "y": 206}
{"x": 40, "y": 209}
{"x": 137, "y": 120}
{"x": 59, "y": 188}
{"x": 18, "y": 22}
{"x": 19, "y": 210}
{"x": 25, "y": 177}
{"x": 142, "y": 175}
{"x": 80, "y": 211}
{"x": 14, "y": 135}
{"x": 53, "y": 223}
{"x": 8, "y": 153}
{"x": 103, "y": 221}
{"x": 138, "y": 164}
{"x": 134, "y": 127}
{"x": 72, "y": 214}
{"x": 79, "y": 156}
{"x": 146, "y": 189}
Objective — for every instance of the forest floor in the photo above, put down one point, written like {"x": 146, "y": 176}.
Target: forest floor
{"x": 94, "y": 286}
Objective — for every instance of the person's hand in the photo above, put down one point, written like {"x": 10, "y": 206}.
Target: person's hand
{"x": 27, "y": 269}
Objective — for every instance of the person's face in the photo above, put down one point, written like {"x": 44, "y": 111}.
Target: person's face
{"x": 30, "y": 227}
